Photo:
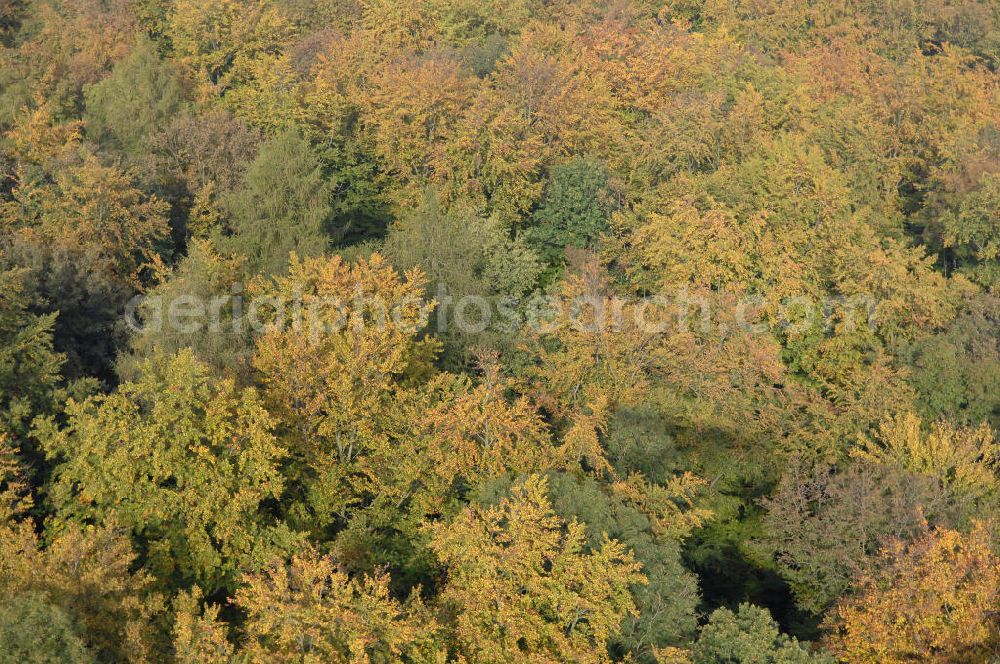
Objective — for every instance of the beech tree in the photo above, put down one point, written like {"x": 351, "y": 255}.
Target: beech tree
{"x": 181, "y": 459}
{"x": 334, "y": 376}
{"x": 521, "y": 586}
{"x": 308, "y": 610}
{"x": 211, "y": 38}
{"x": 932, "y": 600}
{"x": 198, "y": 636}
{"x": 83, "y": 581}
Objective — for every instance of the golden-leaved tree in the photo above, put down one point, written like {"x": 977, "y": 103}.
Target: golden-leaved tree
{"x": 378, "y": 438}
{"x": 309, "y": 610}
{"x": 215, "y": 38}
{"x": 337, "y": 377}
{"x": 98, "y": 210}
{"x": 521, "y": 587}
{"x": 932, "y": 601}
{"x": 182, "y": 460}
{"x": 82, "y": 577}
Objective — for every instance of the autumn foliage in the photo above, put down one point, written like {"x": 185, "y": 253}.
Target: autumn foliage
{"x": 475, "y": 331}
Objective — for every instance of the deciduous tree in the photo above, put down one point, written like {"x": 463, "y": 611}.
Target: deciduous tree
{"x": 308, "y": 610}
{"x": 933, "y": 600}
{"x": 180, "y": 458}
{"x": 521, "y": 587}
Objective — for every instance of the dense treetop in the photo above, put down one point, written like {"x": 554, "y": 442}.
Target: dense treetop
{"x": 478, "y": 331}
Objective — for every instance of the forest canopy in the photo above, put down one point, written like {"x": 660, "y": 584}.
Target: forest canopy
{"x": 653, "y": 331}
